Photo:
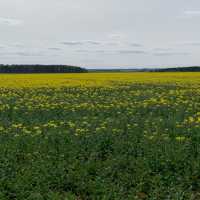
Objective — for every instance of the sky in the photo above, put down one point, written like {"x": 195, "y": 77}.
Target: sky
{"x": 100, "y": 33}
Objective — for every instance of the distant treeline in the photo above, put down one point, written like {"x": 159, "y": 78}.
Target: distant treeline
{"x": 179, "y": 69}
{"x": 171, "y": 69}
{"x": 40, "y": 69}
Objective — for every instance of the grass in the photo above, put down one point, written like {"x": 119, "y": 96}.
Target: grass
{"x": 100, "y": 136}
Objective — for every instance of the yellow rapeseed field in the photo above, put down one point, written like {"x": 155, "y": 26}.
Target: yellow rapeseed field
{"x": 108, "y": 136}
{"x": 94, "y": 79}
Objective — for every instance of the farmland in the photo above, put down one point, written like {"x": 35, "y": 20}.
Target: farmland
{"x": 100, "y": 136}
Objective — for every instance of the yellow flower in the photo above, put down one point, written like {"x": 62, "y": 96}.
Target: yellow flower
{"x": 191, "y": 119}
{"x": 180, "y": 138}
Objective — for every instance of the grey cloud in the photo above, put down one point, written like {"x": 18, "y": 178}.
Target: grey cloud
{"x": 15, "y": 45}
{"x": 93, "y": 42}
{"x": 18, "y": 45}
{"x": 116, "y": 36}
{"x": 112, "y": 51}
{"x": 112, "y": 43}
{"x": 23, "y": 54}
{"x": 189, "y": 14}
{"x": 171, "y": 54}
{"x": 10, "y": 21}
{"x": 162, "y": 49}
{"x": 135, "y": 44}
{"x": 72, "y": 43}
{"x": 168, "y": 52}
{"x": 197, "y": 43}
{"x": 192, "y": 12}
{"x": 100, "y": 51}
{"x": 30, "y": 54}
{"x": 4, "y": 53}
{"x": 85, "y": 42}
{"x": 54, "y": 48}
{"x": 119, "y": 42}
{"x": 131, "y": 52}
{"x": 104, "y": 43}
{"x": 82, "y": 51}
{"x": 99, "y": 43}
{"x": 90, "y": 51}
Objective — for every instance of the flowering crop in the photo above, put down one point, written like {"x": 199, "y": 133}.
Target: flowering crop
{"x": 100, "y": 136}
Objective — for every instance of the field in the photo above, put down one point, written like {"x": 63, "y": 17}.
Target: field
{"x": 103, "y": 136}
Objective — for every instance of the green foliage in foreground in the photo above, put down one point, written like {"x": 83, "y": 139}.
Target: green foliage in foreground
{"x": 129, "y": 142}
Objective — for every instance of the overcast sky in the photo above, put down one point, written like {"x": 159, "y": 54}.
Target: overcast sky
{"x": 100, "y": 33}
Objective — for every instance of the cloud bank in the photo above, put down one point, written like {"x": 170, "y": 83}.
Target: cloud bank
{"x": 10, "y": 21}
